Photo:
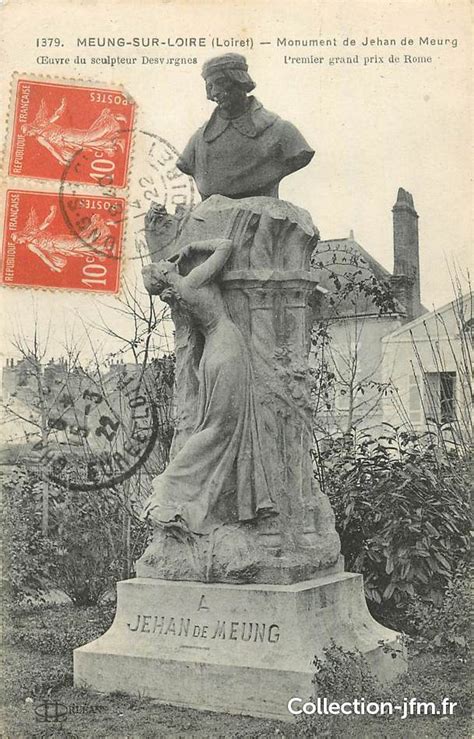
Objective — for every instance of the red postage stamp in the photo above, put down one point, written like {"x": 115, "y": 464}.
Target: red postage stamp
{"x": 72, "y": 242}
{"x": 71, "y": 132}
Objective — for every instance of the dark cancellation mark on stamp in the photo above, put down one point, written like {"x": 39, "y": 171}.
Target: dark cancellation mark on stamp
{"x": 53, "y": 121}
{"x": 113, "y": 217}
{"x": 41, "y": 248}
{"x": 154, "y": 178}
{"x": 105, "y": 433}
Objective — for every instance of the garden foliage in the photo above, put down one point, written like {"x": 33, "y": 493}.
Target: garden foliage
{"x": 84, "y": 552}
{"x": 402, "y": 511}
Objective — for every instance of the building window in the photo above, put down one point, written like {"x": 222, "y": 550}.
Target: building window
{"x": 440, "y": 390}
{"x": 468, "y": 329}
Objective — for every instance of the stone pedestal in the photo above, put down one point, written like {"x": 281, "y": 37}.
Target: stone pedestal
{"x": 244, "y": 649}
{"x": 231, "y": 620}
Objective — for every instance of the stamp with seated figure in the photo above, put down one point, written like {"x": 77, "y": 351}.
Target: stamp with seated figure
{"x": 40, "y": 249}
{"x": 53, "y": 123}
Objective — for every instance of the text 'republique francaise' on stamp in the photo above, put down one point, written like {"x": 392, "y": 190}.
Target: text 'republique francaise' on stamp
{"x": 40, "y": 249}
{"x": 55, "y": 121}
{"x": 74, "y": 139}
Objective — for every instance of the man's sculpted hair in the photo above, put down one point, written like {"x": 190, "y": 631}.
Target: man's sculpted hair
{"x": 233, "y": 67}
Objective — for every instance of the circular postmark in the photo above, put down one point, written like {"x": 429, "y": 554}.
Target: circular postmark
{"x": 95, "y": 217}
{"x": 110, "y": 426}
{"x": 153, "y": 178}
{"x": 106, "y": 426}
{"x": 157, "y": 180}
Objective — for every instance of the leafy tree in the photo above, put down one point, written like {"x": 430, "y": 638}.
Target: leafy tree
{"x": 402, "y": 511}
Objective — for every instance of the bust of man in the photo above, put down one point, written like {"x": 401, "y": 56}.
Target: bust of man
{"x": 243, "y": 149}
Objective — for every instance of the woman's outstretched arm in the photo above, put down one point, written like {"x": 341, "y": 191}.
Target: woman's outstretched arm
{"x": 155, "y": 276}
{"x": 219, "y": 249}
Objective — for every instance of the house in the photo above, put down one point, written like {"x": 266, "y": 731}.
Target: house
{"x": 428, "y": 364}
{"x": 378, "y": 356}
{"x": 365, "y": 304}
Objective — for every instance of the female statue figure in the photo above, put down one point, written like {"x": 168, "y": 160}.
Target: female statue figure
{"x": 219, "y": 475}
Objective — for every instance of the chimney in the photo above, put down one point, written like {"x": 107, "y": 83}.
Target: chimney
{"x": 406, "y": 261}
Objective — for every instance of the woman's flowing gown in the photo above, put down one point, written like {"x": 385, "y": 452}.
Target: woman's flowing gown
{"x": 222, "y": 458}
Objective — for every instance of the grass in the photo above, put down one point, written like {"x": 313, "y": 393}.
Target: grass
{"x": 37, "y": 666}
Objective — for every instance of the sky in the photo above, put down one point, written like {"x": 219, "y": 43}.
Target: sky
{"x": 374, "y": 127}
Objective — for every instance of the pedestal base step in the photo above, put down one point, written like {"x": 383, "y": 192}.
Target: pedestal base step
{"x": 243, "y": 649}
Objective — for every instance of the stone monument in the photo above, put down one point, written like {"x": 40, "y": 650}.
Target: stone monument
{"x": 242, "y": 583}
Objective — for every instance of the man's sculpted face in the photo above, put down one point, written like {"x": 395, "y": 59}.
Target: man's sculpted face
{"x": 243, "y": 149}
{"x": 230, "y": 98}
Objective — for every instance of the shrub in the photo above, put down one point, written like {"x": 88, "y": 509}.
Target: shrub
{"x": 88, "y": 532}
{"x": 445, "y": 628}
{"x": 402, "y": 512}
{"x": 344, "y": 675}
{"x": 341, "y": 676}
{"x": 27, "y": 554}
{"x": 87, "y": 547}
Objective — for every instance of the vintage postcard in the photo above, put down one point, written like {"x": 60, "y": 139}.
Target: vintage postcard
{"x": 236, "y": 366}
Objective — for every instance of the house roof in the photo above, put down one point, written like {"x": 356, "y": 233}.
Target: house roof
{"x": 354, "y": 245}
{"x": 459, "y": 302}
{"x": 339, "y": 261}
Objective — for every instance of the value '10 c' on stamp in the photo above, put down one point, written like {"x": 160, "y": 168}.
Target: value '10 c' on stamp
{"x": 53, "y": 124}
{"x": 70, "y": 241}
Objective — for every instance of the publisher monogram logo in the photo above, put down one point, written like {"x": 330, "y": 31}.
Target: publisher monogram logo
{"x": 51, "y": 712}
